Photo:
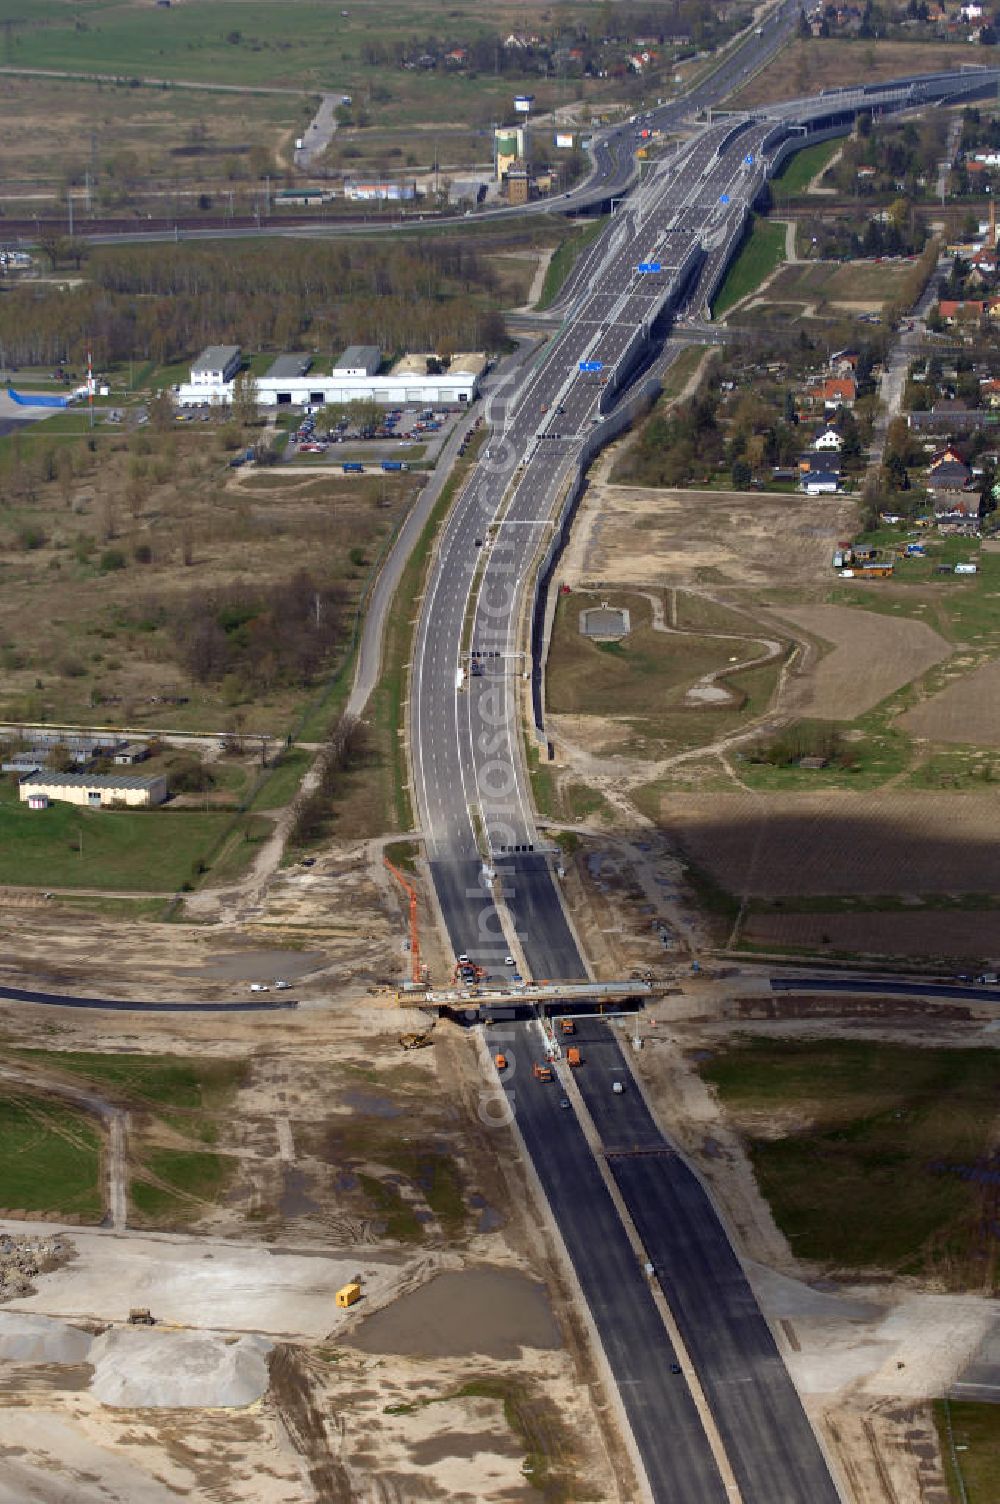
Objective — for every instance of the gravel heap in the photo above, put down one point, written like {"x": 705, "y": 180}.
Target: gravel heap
{"x": 136, "y": 1367}
{"x": 41, "y": 1339}
{"x": 21, "y": 1258}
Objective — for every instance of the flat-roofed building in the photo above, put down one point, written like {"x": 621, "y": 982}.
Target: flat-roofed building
{"x": 215, "y": 365}
{"x": 93, "y": 790}
{"x": 359, "y": 360}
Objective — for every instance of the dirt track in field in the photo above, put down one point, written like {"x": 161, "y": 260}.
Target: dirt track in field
{"x": 872, "y": 656}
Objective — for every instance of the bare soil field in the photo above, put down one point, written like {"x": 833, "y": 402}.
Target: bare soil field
{"x": 928, "y": 934}
{"x": 840, "y": 843}
{"x": 864, "y": 286}
{"x": 806, "y": 67}
{"x": 967, "y": 711}
{"x": 872, "y": 656}
{"x": 633, "y": 535}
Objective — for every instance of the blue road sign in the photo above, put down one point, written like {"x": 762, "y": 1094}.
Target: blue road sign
{"x": 724, "y": 198}
{"x": 748, "y": 159}
{"x": 649, "y": 266}
{"x": 591, "y": 365}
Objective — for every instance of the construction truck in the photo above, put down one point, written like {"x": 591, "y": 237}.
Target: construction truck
{"x": 500, "y": 1061}
{"x": 542, "y": 1072}
{"x": 140, "y": 1316}
{"x": 567, "y": 1026}
{"x": 573, "y": 1055}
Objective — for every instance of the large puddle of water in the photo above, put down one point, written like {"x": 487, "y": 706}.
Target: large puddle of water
{"x": 494, "y": 1312}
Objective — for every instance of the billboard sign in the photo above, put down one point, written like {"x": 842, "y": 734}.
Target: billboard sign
{"x": 523, "y": 103}
{"x": 564, "y": 140}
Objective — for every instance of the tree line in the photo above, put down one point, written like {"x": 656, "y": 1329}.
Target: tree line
{"x": 162, "y": 303}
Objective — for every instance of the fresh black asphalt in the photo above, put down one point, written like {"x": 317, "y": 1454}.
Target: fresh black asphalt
{"x": 661, "y": 1412}
{"x": 768, "y": 1439}
{"x": 66, "y": 1000}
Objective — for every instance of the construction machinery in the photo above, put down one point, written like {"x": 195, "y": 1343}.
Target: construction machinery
{"x": 542, "y": 1072}
{"x": 500, "y": 1061}
{"x": 567, "y": 1026}
{"x": 417, "y": 1041}
{"x": 573, "y": 1056}
{"x": 417, "y": 972}
{"x": 140, "y": 1316}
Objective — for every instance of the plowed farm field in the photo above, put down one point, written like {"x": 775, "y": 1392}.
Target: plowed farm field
{"x": 872, "y": 656}
{"x": 967, "y": 711}
{"x": 921, "y": 933}
{"x": 840, "y": 843}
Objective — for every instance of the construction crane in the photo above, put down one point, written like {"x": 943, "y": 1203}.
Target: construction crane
{"x": 416, "y": 971}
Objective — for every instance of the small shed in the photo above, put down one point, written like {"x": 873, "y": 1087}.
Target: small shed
{"x": 347, "y": 1295}
{"x": 38, "y": 801}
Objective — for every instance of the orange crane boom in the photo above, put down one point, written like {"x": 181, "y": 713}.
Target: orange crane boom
{"x": 404, "y": 882}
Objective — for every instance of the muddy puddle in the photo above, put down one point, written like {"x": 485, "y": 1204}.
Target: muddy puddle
{"x": 493, "y": 1312}
{"x": 257, "y": 966}
{"x": 371, "y": 1103}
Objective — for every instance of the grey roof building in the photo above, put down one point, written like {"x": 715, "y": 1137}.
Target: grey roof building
{"x": 359, "y": 360}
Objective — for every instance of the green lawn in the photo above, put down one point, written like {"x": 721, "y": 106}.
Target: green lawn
{"x": 565, "y": 257}
{"x": 864, "y": 1147}
{"x": 191, "y": 1096}
{"x": 50, "y": 1158}
{"x": 975, "y": 1430}
{"x": 801, "y": 167}
{"x": 763, "y": 251}
{"x": 69, "y": 847}
{"x": 185, "y": 1174}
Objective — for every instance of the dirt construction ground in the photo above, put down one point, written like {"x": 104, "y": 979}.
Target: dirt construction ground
{"x": 967, "y": 711}
{"x": 893, "y": 650}
{"x": 343, "y": 1157}
{"x": 633, "y": 535}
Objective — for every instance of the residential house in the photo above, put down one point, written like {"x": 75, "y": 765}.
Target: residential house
{"x": 954, "y": 310}
{"x": 948, "y": 476}
{"x": 833, "y": 392}
{"x": 844, "y": 362}
{"x": 828, "y": 440}
{"x": 820, "y": 483}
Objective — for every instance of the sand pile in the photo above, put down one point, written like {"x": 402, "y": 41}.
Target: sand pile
{"x": 139, "y": 1367}
{"x": 41, "y": 1339}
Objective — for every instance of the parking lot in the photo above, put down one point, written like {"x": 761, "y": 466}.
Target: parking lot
{"x": 420, "y": 430}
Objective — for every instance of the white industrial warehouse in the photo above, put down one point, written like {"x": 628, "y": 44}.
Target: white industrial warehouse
{"x": 290, "y": 380}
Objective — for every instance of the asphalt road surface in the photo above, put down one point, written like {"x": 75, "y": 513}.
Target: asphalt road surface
{"x": 474, "y": 800}
{"x": 677, "y": 1458}
{"x": 768, "y": 1440}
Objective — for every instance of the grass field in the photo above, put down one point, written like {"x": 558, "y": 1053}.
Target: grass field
{"x": 297, "y": 45}
{"x": 859, "y": 1150}
{"x": 564, "y": 259}
{"x": 50, "y": 1158}
{"x": 172, "y": 1097}
{"x": 762, "y": 253}
{"x": 142, "y": 850}
{"x": 974, "y": 1429}
{"x": 172, "y": 1186}
{"x": 801, "y": 167}
{"x": 643, "y": 680}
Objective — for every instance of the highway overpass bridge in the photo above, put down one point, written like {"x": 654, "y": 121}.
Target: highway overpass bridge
{"x": 470, "y": 698}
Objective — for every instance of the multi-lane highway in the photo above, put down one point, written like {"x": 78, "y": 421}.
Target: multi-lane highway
{"x": 494, "y": 881}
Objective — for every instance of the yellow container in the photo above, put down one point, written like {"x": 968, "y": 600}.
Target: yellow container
{"x": 348, "y": 1294}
